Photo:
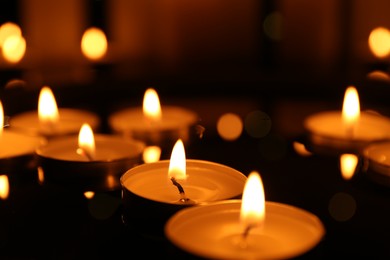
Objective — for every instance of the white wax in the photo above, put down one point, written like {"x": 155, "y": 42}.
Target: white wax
{"x": 108, "y": 148}
{"x": 213, "y": 231}
{"x": 206, "y": 181}
{"x": 329, "y": 124}
{"x": 13, "y": 144}
{"x": 70, "y": 122}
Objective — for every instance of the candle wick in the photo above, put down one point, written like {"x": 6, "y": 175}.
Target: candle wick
{"x": 183, "y": 197}
{"x": 243, "y": 241}
{"x": 83, "y": 152}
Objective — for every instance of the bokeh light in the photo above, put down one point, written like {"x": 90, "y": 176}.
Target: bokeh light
{"x": 229, "y": 126}
{"x": 342, "y": 206}
{"x": 257, "y": 124}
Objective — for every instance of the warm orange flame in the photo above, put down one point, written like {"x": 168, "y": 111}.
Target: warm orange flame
{"x": 379, "y": 42}
{"x": 151, "y": 154}
{"x": 177, "y": 164}
{"x": 86, "y": 141}
{"x": 41, "y": 175}
{"x": 47, "y": 108}
{"x": 94, "y": 43}
{"x": 351, "y": 108}
{"x": 8, "y": 29}
{"x": 151, "y": 105}
{"x": 89, "y": 194}
{"x": 14, "y": 48}
{"x": 252, "y": 212}
{"x": 4, "y": 187}
{"x": 1, "y": 118}
{"x": 348, "y": 163}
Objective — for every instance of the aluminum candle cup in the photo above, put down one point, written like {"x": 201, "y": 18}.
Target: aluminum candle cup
{"x": 69, "y": 123}
{"x": 63, "y": 165}
{"x": 377, "y": 162}
{"x": 150, "y": 198}
{"x": 213, "y": 231}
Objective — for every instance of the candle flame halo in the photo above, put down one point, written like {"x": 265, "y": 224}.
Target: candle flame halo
{"x": 94, "y": 43}
{"x": 351, "y": 107}
{"x": 47, "y": 107}
{"x": 86, "y": 141}
{"x": 177, "y": 163}
{"x": 151, "y": 105}
{"x": 379, "y": 42}
{"x": 252, "y": 212}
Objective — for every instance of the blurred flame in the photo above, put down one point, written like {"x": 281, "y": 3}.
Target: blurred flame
{"x": 348, "y": 163}
{"x": 1, "y": 118}
{"x": 351, "y": 107}
{"x": 47, "y": 107}
{"x": 89, "y": 194}
{"x": 86, "y": 141}
{"x": 379, "y": 42}
{"x": 14, "y": 48}
{"x": 177, "y": 164}
{"x": 94, "y": 43}
{"x": 151, "y": 154}
{"x": 9, "y": 29}
{"x": 301, "y": 149}
{"x": 151, "y": 105}
{"x": 253, "y": 202}
{"x": 41, "y": 175}
{"x": 4, "y": 187}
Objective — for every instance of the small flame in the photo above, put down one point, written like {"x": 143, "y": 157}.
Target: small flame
{"x": 86, "y": 142}
{"x": 14, "y": 48}
{"x": 151, "y": 154}
{"x": 348, "y": 163}
{"x": 47, "y": 108}
{"x": 351, "y": 108}
{"x": 4, "y": 187}
{"x": 1, "y": 118}
{"x": 252, "y": 212}
{"x": 94, "y": 43}
{"x": 89, "y": 194}
{"x": 41, "y": 175}
{"x": 151, "y": 105}
{"x": 177, "y": 164}
{"x": 379, "y": 42}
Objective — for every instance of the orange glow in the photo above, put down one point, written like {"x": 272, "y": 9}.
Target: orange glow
{"x": 1, "y": 118}
{"x": 252, "y": 212}
{"x": 4, "y": 187}
{"x": 177, "y": 164}
{"x": 351, "y": 108}
{"x": 379, "y": 75}
{"x": 348, "y": 163}
{"x": 47, "y": 108}
{"x": 94, "y": 43}
{"x": 41, "y": 175}
{"x": 89, "y": 194}
{"x": 151, "y": 154}
{"x": 86, "y": 142}
{"x": 301, "y": 149}
{"x": 151, "y": 105}
{"x": 9, "y": 29}
{"x": 230, "y": 126}
{"x": 14, "y": 48}
{"x": 379, "y": 42}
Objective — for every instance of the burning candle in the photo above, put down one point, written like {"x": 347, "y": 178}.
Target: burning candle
{"x": 154, "y": 124}
{"x": 50, "y": 120}
{"x": 348, "y": 131}
{"x": 152, "y": 192}
{"x": 89, "y": 162}
{"x": 250, "y": 228}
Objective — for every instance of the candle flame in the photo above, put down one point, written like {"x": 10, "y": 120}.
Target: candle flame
{"x": 4, "y": 187}
{"x": 14, "y": 48}
{"x": 351, "y": 108}
{"x": 348, "y": 163}
{"x": 177, "y": 163}
{"x": 94, "y": 43}
{"x": 47, "y": 107}
{"x": 151, "y": 105}
{"x": 379, "y": 42}
{"x": 151, "y": 154}
{"x": 89, "y": 194}
{"x": 1, "y": 118}
{"x": 253, "y": 202}
{"x": 86, "y": 141}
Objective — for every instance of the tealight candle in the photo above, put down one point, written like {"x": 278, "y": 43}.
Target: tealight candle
{"x": 346, "y": 131}
{"x": 154, "y": 124}
{"x": 250, "y": 228}
{"x": 377, "y": 162}
{"x": 70, "y": 161}
{"x": 51, "y": 121}
{"x": 152, "y": 192}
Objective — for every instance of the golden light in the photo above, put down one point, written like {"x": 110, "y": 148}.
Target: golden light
{"x": 151, "y": 154}
{"x": 41, "y": 175}
{"x": 177, "y": 163}
{"x": 151, "y": 105}
{"x": 14, "y": 48}
{"x": 300, "y": 149}
{"x": 9, "y": 29}
{"x": 351, "y": 108}
{"x": 230, "y": 126}
{"x": 47, "y": 108}
{"x": 348, "y": 163}
{"x": 94, "y": 43}
{"x": 379, "y": 42}
{"x": 1, "y": 118}
{"x": 89, "y": 194}
{"x": 252, "y": 212}
{"x": 4, "y": 187}
{"x": 86, "y": 142}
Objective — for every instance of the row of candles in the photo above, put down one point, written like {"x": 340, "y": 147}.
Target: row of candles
{"x": 194, "y": 203}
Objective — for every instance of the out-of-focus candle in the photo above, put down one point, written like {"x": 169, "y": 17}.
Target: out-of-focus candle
{"x": 49, "y": 120}
{"x": 377, "y": 162}
{"x": 96, "y": 165}
{"x": 250, "y": 228}
{"x": 152, "y": 192}
{"x": 346, "y": 131}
